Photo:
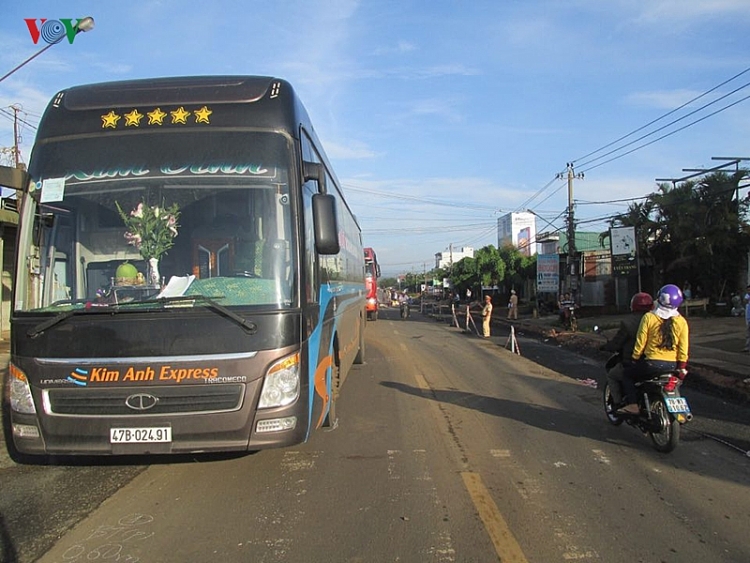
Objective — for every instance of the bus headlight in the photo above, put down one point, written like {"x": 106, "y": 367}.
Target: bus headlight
{"x": 281, "y": 384}
{"x": 20, "y": 392}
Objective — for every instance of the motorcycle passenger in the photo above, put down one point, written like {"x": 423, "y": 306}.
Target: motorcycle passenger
{"x": 623, "y": 342}
{"x": 661, "y": 345}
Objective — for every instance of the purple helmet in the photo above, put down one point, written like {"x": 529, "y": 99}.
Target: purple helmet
{"x": 670, "y": 296}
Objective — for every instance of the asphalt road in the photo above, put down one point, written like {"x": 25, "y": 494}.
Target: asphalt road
{"x": 450, "y": 448}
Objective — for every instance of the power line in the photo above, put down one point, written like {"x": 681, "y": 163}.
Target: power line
{"x": 669, "y": 125}
{"x": 419, "y": 199}
{"x": 662, "y": 117}
{"x": 668, "y": 134}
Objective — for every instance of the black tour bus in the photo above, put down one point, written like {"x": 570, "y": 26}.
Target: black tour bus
{"x": 189, "y": 275}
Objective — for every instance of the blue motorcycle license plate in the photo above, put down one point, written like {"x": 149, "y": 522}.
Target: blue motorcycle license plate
{"x": 677, "y": 405}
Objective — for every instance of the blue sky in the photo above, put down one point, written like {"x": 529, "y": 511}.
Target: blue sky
{"x": 439, "y": 117}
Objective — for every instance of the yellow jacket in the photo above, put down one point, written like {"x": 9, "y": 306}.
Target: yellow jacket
{"x": 648, "y": 338}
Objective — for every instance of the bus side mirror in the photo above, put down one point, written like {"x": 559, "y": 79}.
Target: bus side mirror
{"x": 315, "y": 171}
{"x": 324, "y": 219}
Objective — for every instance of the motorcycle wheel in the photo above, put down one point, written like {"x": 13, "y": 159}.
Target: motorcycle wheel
{"x": 609, "y": 408}
{"x": 573, "y": 324}
{"x": 668, "y": 436}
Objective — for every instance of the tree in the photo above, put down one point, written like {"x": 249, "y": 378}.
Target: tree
{"x": 491, "y": 266}
{"x": 695, "y": 231}
{"x": 519, "y": 268}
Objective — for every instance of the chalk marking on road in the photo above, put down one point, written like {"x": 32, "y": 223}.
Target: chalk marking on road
{"x": 392, "y": 473}
{"x": 507, "y": 548}
{"x": 424, "y": 472}
{"x": 444, "y": 551}
{"x": 576, "y": 555}
{"x": 573, "y": 552}
{"x": 601, "y": 457}
{"x": 299, "y": 461}
{"x": 500, "y": 453}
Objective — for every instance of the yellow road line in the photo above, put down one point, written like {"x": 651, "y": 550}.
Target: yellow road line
{"x": 506, "y": 546}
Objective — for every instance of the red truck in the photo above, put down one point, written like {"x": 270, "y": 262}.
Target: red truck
{"x": 372, "y": 273}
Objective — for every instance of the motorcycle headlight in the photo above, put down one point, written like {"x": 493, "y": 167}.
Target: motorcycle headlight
{"x": 281, "y": 384}
{"x": 20, "y": 392}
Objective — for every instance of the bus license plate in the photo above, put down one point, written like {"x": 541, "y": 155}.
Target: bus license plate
{"x": 677, "y": 405}
{"x": 140, "y": 435}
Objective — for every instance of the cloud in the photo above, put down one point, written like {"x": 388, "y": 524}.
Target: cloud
{"x": 399, "y": 48}
{"x": 689, "y": 11}
{"x": 663, "y": 99}
{"x": 350, "y": 151}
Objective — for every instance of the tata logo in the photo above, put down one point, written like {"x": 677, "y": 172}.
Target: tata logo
{"x": 52, "y": 31}
{"x": 141, "y": 401}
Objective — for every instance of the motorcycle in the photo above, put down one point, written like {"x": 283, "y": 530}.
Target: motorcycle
{"x": 662, "y": 409}
{"x": 404, "y": 309}
{"x": 569, "y": 320}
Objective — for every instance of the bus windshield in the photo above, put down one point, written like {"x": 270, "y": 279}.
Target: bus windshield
{"x": 135, "y": 218}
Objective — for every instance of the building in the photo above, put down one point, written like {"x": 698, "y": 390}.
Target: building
{"x": 593, "y": 267}
{"x": 451, "y": 255}
{"x": 519, "y": 230}
{"x": 8, "y": 228}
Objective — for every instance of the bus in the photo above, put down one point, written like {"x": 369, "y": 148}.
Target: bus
{"x": 189, "y": 275}
{"x": 372, "y": 273}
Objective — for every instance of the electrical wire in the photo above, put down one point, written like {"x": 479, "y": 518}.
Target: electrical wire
{"x": 663, "y": 127}
{"x": 668, "y": 134}
{"x": 424, "y": 200}
{"x": 663, "y": 116}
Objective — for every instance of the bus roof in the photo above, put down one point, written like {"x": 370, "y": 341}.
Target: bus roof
{"x": 257, "y": 102}
{"x": 182, "y": 90}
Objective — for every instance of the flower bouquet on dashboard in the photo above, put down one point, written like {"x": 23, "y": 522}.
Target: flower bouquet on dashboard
{"x": 152, "y": 231}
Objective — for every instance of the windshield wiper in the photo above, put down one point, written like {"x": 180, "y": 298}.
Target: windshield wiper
{"x": 57, "y": 319}
{"x": 248, "y": 326}
{"x": 41, "y": 327}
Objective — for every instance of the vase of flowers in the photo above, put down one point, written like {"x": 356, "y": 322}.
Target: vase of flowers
{"x": 152, "y": 231}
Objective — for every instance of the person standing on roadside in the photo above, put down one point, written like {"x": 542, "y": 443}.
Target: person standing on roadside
{"x": 486, "y": 316}
{"x": 513, "y": 305}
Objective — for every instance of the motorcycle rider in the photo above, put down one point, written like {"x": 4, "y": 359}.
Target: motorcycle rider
{"x": 661, "y": 345}
{"x": 623, "y": 343}
{"x": 403, "y": 302}
{"x": 566, "y": 304}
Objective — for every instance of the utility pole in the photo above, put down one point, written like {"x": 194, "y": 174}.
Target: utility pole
{"x": 571, "y": 263}
{"x": 16, "y": 137}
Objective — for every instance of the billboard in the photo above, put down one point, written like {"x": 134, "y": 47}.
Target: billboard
{"x": 519, "y": 230}
{"x": 547, "y": 273}
{"x": 623, "y": 246}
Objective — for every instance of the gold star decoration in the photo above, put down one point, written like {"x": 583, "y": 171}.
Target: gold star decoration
{"x": 156, "y": 117}
{"x": 110, "y": 120}
{"x": 179, "y": 115}
{"x": 201, "y": 115}
{"x": 133, "y": 118}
